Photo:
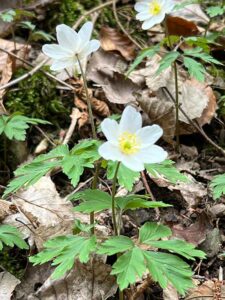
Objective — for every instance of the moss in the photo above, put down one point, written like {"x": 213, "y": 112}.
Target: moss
{"x": 37, "y": 97}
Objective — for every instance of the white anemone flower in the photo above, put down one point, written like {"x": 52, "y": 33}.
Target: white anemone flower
{"x": 153, "y": 12}
{"x": 131, "y": 144}
{"x": 70, "y": 45}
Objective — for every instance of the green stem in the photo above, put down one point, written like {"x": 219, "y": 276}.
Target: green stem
{"x": 88, "y": 100}
{"x": 113, "y": 200}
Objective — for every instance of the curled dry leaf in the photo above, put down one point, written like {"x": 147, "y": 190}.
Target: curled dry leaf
{"x": 181, "y": 27}
{"x": 6, "y": 209}
{"x": 112, "y": 40}
{"x": 85, "y": 281}
{"x": 8, "y": 282}
{"x": 6, "y": 74}
{"x": 192, "y": 12}
{"x": 209, "y": 290}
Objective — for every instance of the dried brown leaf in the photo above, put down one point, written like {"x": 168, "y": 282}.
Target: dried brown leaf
{"x": 181, "y": 27}
{"x": 209, "y": 290}
{"x": 112, "y": 40}
{"x": 8, "y": 282}
{"x": 6, "y": 74}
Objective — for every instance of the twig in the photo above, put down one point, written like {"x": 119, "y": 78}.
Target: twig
{"x": 31, "y": 65}
{"x": 195, "y": 124}
{"x": 45, "y": 135}
{"x": 74, "y": 117}
{"x": 122, "y": 28}
{"x": 28, "y": 74}
{"x": 91, "y": 11}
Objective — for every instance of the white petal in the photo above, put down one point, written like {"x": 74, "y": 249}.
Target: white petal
{"x": 132, "y": 163}
{"x": 62, "y": 64}
{"x": 151, "y": 155}
{"x": 131, "y": 120}
{"x": 153, "y": 21}
{"x": 91, "y": 47}
{"x": 143, "y": 16}
{"x": 67, "y": 37}
{"x": 141, "y": 6}
{"x": 55, "y": 51}
{"x": 85, "y": 34}
{"x": 110, "y": 152}
{"x": 149, "y": 135}
{"x": 168, "y": 7}
{"x": 110, "y": 128}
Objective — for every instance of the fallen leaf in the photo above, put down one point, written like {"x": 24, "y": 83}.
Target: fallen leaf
{"x": 6, "y": 209}
{"x": 170, "y": 293}
{"x": 8, "y": 282}
{"x": 6, "y": 74}
{"x": 181, "y": 27}
{"x": 112, "y": 40}
{"x": 89, "y": 281}
{"x": 208, "y": 291}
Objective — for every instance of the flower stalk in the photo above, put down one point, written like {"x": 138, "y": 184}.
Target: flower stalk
{"x": 116, "y": 230}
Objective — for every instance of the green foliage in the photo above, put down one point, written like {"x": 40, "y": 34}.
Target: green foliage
{"x": 8, "y": 16}
{"x": 184, "y": 4}
{"x": 164, "y": 267}
{"x": 167, "y": 61}
{"x": 195, "y": 69}
{"x": 126, "y": 177}
{"x": 37, "y": 97}
{"x": 86, "y": 152}
{"x": 36, "y": 35}
{"x": 215, "y": 11}
{"x": 218, "y": 186}
{"x": 14, "y": 126}
{"x": 149, "y": 52}
{"x": 167, "y": 170}
{"x": 199, "y": 53}
{"x": 11, "y": 237}
{"x": 64, "y": 250}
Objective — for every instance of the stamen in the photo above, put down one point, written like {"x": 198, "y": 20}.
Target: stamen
{"x": 155, "y": 7}
{"x": 129, "y": 143}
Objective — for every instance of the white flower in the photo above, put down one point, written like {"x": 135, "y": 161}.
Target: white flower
{"x": 71, "y": 44}
{"x": 153, "y": 12}
{"x": 131, "y": 144}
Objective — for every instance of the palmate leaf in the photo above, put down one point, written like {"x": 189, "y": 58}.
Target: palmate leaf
{"x": 116, "y": 244}
{"x": 11, "y": 237}
{"x": 167, "y": 61}
{"x": 218, "y": 186}
{"x": 14, "y": 127}
{"x": 93, "y": 200}
{"x": 166, "y": 169}
{"x": 215, "y": 11}
{"x": 195, "y": 69}
{"x": 151, "y": 231}
{"x": 199, "y": 53}
{"x": 64, "y": 250}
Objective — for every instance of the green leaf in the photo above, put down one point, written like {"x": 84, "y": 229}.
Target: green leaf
{"x": 128, "y": 267}
{"x": 149, "y": 52}
{"x": 8, "y": 16}
{"x": 195, "y": 69}
{"x": 11, "y": 237}
{"x": 180, "y": 247}
{"x": 126, "y": 177}
{"x": 64, "y": 250}
{"x": 167, "y": 170}
{"x": 167, "y": 61}
{"x": 14, "y": 127}
{"x": 165, "y": 268}
{"x": 215, "y": 11}
{"x": 218, "y": 186}
{"x": 93, "y": 200}
{"x": 73, "y": 167}
{"x": 40, "y": 35}
{"x": 198, "y": 53}
{"x": 151, "y": 231}
{"x": 117, "y": 244}
{"x": 27, "y": 25}
{"x": 82, "y": 227}
{"x": 137, "y": 201}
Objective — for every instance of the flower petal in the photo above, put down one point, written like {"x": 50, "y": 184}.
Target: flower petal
{"x": 85, "y": 34}
{"x": 141, "y": 6}
{"x": 142, "y": 16}
{"x": 149, "y": 135}
{"x": 67, "y": 37}
{"x": 91, "y": 47}
{"x": 132, "y": 163}
{"x": 62, "y": 64}
{"x": 151, "y": 155}
{"x": 110, "y": 128}
{"x": 110, "y": 152}
{"x": 55, "y": 51}
{"x": 153, "y": 21}
{"x": 131, "y": 120}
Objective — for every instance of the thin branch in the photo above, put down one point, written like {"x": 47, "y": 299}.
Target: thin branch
{"x": 76, "y": 114}
{"x": 195, "y": 124}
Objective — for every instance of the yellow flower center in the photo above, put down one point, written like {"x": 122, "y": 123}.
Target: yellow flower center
{"x": 155, "y": 7}
{"x": 129, "y": 143}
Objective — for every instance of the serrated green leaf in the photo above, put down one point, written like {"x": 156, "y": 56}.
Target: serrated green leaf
{"x": 167, "y": 61}
{"x": 198, "y": 53}
{"x": 195, "y": 69}
{"x": 8, "y": 16}
{"x": 129, "y": 267}
{"x": 149, "y": 52}
{"x": 117, "y": 244}
{"x": 218, "y": 186}
{"x": 11, "y": 236}
{"x": 64, "y": 250}
{"x": 126, "y": 177}
{"x": 167, "y": 170}
{"x": 152, "y": 231}
{"x": 137, "y": 201}
{"x": 167, "y": 268}
{"x": 215, "y": 11}
{"x": 73, "y": 167}
{"x": 93, "y": 200}
{"x": 180, "y": 247}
